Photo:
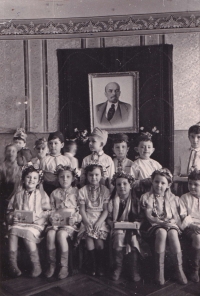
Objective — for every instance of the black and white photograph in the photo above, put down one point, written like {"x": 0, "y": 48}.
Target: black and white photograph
{"x": 100, "y": 147}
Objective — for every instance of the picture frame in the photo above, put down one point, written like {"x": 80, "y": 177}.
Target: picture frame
{"x": 102, "y": 88}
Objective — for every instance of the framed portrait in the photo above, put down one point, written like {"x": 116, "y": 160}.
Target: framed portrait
{"x": 114, "y": 101}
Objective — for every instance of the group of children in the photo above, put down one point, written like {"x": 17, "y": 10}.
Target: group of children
{"x": 111, "y": 191}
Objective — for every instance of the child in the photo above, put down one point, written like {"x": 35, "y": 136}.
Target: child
{"x": 28, "y": 199}
{"x": 70, "y": 152}
{"x": 50, "y": 162}
{"x": 93, "y": 199}
{"x": 24, "y": 154}
{"x": 10, "y": 175}
{"x": 62, "y": 199}
{"x": 41, "y": 149}
{"x": 188, "y": 159}
{"x": 190, "y": 213}
{"x": 163, "y": 221}
{"x": 120, "y": 148}
{"x": 97, "y": 141}
{"x": 144, "y": 166}
{"x": 124, "y": 207}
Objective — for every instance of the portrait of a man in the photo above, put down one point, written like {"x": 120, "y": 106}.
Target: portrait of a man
{"x": 113, "y": 111}
{"x": 114, "y": 101}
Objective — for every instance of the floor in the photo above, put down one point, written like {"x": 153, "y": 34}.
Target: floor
{"x": 82, "y": 284}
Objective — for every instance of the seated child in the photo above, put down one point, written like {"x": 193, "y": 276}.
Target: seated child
{"x": 28, "y": 199}
{"x": 144, "y": 166}
{"x": 120, "y": 148}
{"x": 161, "y": 208}
{"x": 70, "y": 152}
{"x": 124, "y": 207}
{"x": 97, "y": 140}
{"x": 190, "y": 213}
{"x": 188, "y": 159}
{"x": 24, "y": 154}
{"x": 63, "y": 199}
{"x": 50, "y": 162}
{"x": 41, "y": 149}
{"x": 10, "y": 175}
{"x": 93, "y": 200}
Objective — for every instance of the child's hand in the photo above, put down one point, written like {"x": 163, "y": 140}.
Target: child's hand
{"x": 97, "y": 226}
{"x": 136, "y": 224}
{"x": 72, "y": 221}
{"x": 88, "y": 226}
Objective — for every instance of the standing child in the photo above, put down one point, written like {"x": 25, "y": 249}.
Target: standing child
{"x": 24, "y": 154}
{"x": 97, "y": 140}
{"x": 70, "y": 152}
{"x": 161, "y": 208}
{"x": 144, "y": 166}
{"x": 62, "y": 199}
{"x": 93, "y": 199}
{"x": 123, "y": 206}
{"x": 41, "y": 149}
{"x": 50, "y": 162}
{"x": 121, "y": 148}
{"x": 28, "y": 199}
{"x": 188, "y": 159}
{"x": 190, "y": 213}
{"x": 10, "y": 175}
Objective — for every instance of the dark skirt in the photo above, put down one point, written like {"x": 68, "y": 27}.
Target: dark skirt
{"x": 147, "y": 230}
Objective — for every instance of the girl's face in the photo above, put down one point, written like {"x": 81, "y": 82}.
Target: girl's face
{"x": 160, "y": 185}
{"x": 41, "y": 151}
{"x": 123, "y": 187}
{"x": 19, "y": 144}
{"x": 145, "y": 149}
{"x": 31, "y": 181}
{"x": 94, "y": 177}
{"x": 55, "y": 146}
{"x": 11, "y": 153}
{"x": 95, "y": 144}
{"x": 65, "y": 179}
{"x": 194, "y": 187}
{"x": 120, "y": 149}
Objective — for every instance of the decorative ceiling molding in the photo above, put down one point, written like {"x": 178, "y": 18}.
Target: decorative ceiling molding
{"x": 102, "y": 26}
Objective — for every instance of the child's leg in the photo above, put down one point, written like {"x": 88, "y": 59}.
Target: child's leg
{"x": 34, "y": 256}
{"x": 61, "y": 238}
{"x": 13, "y": 246}
{"x": 175, "y": 248}
{"x": 195, "y": 256}
{"x": 99, "y": 246}
{"x": 160, "y": 246}
{"x": 134, "y": 265}
{"x": 91, "y": 253}
{"x": 51, "y": 252}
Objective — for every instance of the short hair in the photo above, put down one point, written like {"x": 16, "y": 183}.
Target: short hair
{"x": 164, "y": 172}
{"x": 68, "y": 144}
{"x": 110, "y": 83}
{"x": 40, "y": 142}
{"x": 143, "y": 138}
{"x": 10, "y": 145}
{"x": 56, "y": 135}
{"x": 194, "y": 129}
{"x": 120, "y": 138}
{"x": 30, "y": 169}
{"x": 92, "y": 167}
{"x": 19, "y": 138}
{"x": 194, "y": 175}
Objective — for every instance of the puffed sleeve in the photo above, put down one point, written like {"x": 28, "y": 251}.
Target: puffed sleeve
{"x": 81, "y": 196}
{"x": 106, "y": 195}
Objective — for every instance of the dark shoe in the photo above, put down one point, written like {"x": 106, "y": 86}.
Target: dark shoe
{"x": 118, "y": 262}
{"x": 195, "y": 257}
{"x": 13, "y": 268}
{"x": 134, "y": 265}
{"x": 64, "y": 266}
{"x": 52, "y": 263}
{"x": 35, "y": 260}
{"x": 100, "y": 261}
{"x": 92, "y": 262}
{"x": 180, "y": 275}
{"x": 159, "y": 263}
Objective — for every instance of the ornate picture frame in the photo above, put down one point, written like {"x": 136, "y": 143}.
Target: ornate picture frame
{"x": 121, "y": 88}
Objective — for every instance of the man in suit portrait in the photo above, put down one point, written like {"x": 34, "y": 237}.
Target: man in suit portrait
{"x": 113, "y": 111}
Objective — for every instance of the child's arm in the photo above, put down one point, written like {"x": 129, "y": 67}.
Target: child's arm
{"x": 84, "y": 217}
{"x": 102, "y": 218}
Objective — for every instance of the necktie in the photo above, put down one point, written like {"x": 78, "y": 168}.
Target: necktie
{"x": 191, "y": 162}
{"x": 111, "y": 112}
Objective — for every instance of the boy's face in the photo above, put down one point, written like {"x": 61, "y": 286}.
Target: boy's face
{"x": 123, "y": 187}
{"x": 145, "y": 149}
{"x": 41, "y": 151}
{"x": 31, "y": 181}
{"x": 194, "y": 187}
{"x": 94, "y": 177}
{"x": 160, "y": 184}
{"x": 65, "y": 179}
{"x": 55, "y": 146}
{"x": 19, "y": 144}
{"x": 194, "y": 140}
{"x": 11, "y": 153}
{"x": 95, "y": 144}
{"x": 120, "y": 150}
